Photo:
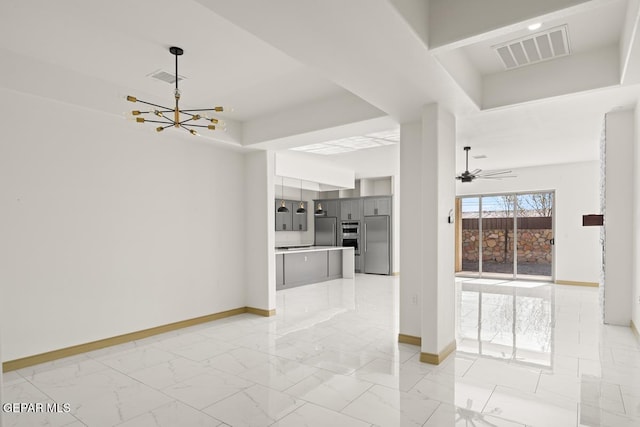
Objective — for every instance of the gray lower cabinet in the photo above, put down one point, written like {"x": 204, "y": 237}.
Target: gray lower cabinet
{"x": 335, "y": 264}
{"x": 279, "y": 270}
{"x": 303, "y": 268}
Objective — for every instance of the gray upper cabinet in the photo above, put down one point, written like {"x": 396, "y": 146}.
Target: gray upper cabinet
{"x": 329, "y": 207}
{"x": 350, "y": 209}
{"x": 284, "y": 220}
{"x": 377, "y": 206}
{"x": 299, "y": 220}
{"x": 291, "y": 221}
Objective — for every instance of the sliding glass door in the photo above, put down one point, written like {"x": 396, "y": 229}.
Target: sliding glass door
{"x": 470, "y": 242}
{"x": 497, "y": 235}
{"x": 507, "y": 235}
{"x": 535, "y": 235}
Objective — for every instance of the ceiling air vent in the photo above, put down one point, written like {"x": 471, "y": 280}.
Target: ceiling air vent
{"x": 538, "y": 47}
{"x": 165, "y": 76}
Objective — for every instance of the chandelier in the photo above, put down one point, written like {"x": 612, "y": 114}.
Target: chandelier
{"x": 175, "y": 117}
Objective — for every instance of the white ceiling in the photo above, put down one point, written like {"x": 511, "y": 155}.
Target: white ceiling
{"x": 588, "y": 30}
{"x": 299, "y": 72}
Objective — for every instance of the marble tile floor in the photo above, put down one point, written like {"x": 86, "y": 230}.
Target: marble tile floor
{"x": 529, "y": 354}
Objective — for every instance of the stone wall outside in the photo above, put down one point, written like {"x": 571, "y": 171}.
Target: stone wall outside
{"x": 533, "y": 245}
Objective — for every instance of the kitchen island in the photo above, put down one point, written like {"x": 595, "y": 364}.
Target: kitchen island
{"x": 297, "y": 266}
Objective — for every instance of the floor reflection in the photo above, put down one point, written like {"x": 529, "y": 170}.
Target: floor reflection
{"x": 529, "y": 354}
{"x": 510, "y": 320}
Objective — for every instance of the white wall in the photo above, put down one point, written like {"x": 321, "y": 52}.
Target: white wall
{"x": 577, "y": 249}
{"x": 372, "y": 162}
{"x": 376, "y": 186}
{"x": 312, "y": 168}
{"x": 109, "y": 227}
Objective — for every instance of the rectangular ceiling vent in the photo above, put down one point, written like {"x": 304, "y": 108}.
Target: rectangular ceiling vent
{"x": 165, "y": 76}
{"x": 538, "y": 47}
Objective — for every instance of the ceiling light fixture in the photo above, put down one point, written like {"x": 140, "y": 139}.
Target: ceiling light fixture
{"x": 301, "y": 208}
{"x": 283, "y": 205}
{"x": 535, "y": 26}
{"x": 319, "y": 210}
{"x": 171, "y": 116}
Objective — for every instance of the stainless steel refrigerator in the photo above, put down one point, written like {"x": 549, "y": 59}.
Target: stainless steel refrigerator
{"x": 377, "y": 244}
{"x": 325, "y": 231}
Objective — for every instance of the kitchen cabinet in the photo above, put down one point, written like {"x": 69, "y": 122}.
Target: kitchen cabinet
{"x": 351, "y": 209}
{"x": 305, "y": 267}
{"x": 335, "y": 264}
{"x": 279, "y": 270}
{"x": 299, "y": 220}
{"x": 377, "y": 206}
{"x": 297, "y": 267}
{"x": 291, "y": 221}
{"x": 284, "y": 220}
{"x": 329, "y": 207}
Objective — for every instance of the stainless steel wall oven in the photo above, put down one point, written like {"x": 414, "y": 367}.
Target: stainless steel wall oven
{"x": 350, "y": 235}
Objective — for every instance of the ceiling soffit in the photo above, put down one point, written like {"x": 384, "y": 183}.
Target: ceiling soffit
{"x": 589, "y": 59}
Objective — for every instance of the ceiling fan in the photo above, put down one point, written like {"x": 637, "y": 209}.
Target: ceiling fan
{"x": 467, "y": 176}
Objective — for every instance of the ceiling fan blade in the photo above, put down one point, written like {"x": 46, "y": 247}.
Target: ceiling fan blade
{"x": 492, "y": 173}
{"x": 495, "y": 177}
{"x": 475, "y": 171}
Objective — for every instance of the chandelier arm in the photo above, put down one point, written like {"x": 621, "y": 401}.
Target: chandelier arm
{"x": 193, "y": 117}
{"x": 189, "y": 124}
{"x": 155, "y": 105}
{"x": 201, "y": 109}
{"x": 191, "y": 131}
{"x": 158, "y": 121}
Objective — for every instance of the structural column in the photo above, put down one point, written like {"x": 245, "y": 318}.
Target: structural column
{"x": 427, "y": 186}
{"x": 618, "y": 217}
{"x": 259, "y": 232}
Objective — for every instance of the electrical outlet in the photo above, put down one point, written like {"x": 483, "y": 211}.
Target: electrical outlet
{"x": 414, "y": 299}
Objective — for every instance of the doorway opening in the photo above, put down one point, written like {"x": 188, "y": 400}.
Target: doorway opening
{"x": 508, "y": 236}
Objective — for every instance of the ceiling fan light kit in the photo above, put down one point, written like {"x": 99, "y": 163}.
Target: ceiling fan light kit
{"x": 467, "y": 176}
{"x": 171, "y": 117}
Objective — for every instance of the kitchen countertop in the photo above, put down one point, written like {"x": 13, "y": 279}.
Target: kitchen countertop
{"x": 311, "y": 249}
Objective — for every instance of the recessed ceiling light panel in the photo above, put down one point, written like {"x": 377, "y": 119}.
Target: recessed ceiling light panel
{"x": 344, "y": 145}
